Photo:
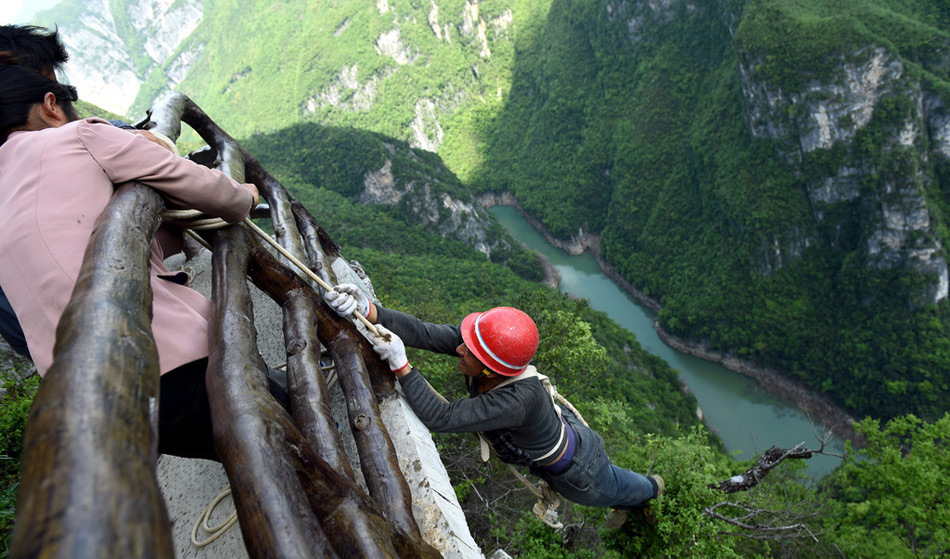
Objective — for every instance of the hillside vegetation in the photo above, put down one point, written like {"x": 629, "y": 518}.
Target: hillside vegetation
{"x": 630, "y": 396}
{"x": 775, "y": 174}
{"x": 690, "y": 135}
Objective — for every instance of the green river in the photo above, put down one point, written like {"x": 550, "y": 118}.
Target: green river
{"x": 747, "y": 418}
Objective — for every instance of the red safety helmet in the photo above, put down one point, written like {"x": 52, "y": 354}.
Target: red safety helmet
{"x": 503, "y": 338}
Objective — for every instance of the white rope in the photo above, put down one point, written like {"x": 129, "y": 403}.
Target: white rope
{"x": 194, "y": 220}
{"x": 215, "y": 531}
{"x": 303, "y": 267}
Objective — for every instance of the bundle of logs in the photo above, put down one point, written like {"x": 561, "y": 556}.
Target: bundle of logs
{"x": 89, "y": 485}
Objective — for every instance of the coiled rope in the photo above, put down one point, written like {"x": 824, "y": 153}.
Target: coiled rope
{"x": 215, "y": 532}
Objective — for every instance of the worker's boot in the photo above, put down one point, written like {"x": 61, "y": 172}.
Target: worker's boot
{"x": 616, "y": 518}
{"x": 647, "y": 510}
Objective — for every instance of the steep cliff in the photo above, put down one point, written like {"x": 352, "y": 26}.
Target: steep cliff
{"x": 868, "y": 89}
{"x": 774, "y": 174}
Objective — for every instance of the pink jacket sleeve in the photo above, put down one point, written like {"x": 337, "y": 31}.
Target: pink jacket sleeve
{"x": 127, "y": 157}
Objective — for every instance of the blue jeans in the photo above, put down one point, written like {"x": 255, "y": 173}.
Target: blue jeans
{"x": 592, "y": 480}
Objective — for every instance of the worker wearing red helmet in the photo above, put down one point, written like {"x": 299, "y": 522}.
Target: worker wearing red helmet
{"x": 518, "y": 418}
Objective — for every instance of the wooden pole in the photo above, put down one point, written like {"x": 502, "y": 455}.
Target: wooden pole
{"x": 381, "y": 470}
{"x": 319, "y": 247}
{"x": 348, "y": 516}
{"x": 251, "y": 429}
{"x": 347, "y": 346}
{"x": 88, "y": 488}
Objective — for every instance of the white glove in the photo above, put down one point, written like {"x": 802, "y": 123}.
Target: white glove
{"x": 345, "y": 298}
{"x": 392, "y": 352}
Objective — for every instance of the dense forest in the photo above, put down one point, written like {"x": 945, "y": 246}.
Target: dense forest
{"x": 651, "y": 141}
{"x": 890, "y": 489}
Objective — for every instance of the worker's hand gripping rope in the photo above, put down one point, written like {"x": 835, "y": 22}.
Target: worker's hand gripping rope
{"x": 345, "y": 298}
{"x": 390, "y": 348}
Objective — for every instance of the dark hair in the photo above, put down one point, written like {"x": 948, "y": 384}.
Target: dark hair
{"x": 21, "y": 88}
{"x": 34, "y": 47}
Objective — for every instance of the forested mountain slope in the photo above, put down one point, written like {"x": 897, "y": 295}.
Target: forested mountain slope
{"x": 774, "y": 173}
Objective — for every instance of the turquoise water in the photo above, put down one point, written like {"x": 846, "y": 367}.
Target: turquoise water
{"x": 748, "y": 419}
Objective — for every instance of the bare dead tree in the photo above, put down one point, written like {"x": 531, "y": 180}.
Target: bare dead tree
{"x": 790, "y": 521}
{"x": 769, "y": 460}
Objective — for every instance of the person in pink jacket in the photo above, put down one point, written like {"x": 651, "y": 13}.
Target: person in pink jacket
{"x": 57, "y": 173}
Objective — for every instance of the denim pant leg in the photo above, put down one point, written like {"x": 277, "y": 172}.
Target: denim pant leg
{"x": 592, "y": 480}
{"x": 10, "y": 328}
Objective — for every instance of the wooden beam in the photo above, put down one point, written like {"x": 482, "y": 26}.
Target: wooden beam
{"x": 252, "y": 431}
{"x": 350, "y": 519}
{"x": 88, "y": 488}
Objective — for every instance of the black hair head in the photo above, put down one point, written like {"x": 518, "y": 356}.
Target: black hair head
{"x": 21, "y": 88}
{"x": 34, "y": 47}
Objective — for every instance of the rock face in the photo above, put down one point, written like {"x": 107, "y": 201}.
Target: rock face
{"x": 113, "y": 54}
{"x": 440, "y": 209}
{"x": 886, "y": 213}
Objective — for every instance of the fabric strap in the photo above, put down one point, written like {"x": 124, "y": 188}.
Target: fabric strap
{"x": 529, "y": 372}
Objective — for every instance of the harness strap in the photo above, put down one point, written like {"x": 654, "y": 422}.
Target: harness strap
{"x": 532, "y": 372}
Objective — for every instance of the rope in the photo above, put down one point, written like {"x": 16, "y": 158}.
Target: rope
{"x": 562, "y": 400}
{"x": 194, "y": 220}
{"x": 215, "y": 531}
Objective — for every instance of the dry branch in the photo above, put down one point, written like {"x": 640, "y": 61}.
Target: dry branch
{"x": 769, "y": 460}
{"x": 88, "y": 487}
{"x": 757, "y": 530}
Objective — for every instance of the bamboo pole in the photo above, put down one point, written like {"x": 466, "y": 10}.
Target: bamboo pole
{"x": 88, "y": 488}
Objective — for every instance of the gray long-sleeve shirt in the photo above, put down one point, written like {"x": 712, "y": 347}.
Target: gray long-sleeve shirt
{"x": 518, "y": 418}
